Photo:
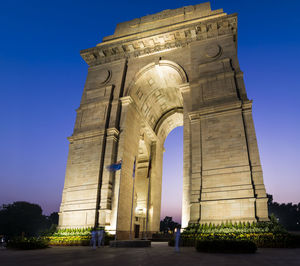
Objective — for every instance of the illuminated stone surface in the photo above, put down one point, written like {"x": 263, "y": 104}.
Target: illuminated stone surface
{"x": 177, "y": 67}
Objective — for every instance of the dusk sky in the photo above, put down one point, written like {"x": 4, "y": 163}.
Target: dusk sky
{"x": 42, "y": 77}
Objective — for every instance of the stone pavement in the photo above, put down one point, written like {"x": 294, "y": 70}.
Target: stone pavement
{"x": 158, "y": 254}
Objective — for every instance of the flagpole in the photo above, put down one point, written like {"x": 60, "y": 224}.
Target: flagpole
{"x": 133, "y": 176}
{"x": 118, "y": 203}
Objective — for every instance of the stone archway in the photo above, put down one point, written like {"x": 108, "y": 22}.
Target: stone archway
{"x": 177, "y": 67}
{"x": 153, "y": 106}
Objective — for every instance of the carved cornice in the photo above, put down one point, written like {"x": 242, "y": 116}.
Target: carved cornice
{"x": 176, "y": 38}
{"x": 214, "y": 110}
{"x": 185, "y": 87}
{"x": 247, "y": 107}
{"x": 126, "y": 100}
{"x": 214, "y": 76}
{"x": 90, "y": 105}
{"x": 112, "y": 134}
{"x": 86, "y": 135}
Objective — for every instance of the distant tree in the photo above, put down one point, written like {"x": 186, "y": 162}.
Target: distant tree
{"x": 22, "y": 218}
{"x": 167, "y": 224}
{"x": 53, "y": 218}
{"x": 52, "y": 222}
{"x": 287, "y": 214}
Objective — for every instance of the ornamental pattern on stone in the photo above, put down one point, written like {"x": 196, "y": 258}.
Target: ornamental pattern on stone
{"x": 180, "y": 37}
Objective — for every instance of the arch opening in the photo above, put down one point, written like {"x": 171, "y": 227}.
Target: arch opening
{"x": 172, "y": 181}
{"x": 156, "y": 96}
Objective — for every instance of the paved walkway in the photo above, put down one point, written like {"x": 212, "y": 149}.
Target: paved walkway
{"x": 158, "y": 254}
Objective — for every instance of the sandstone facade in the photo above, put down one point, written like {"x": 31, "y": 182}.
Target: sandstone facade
{"x": 177, "y": 67}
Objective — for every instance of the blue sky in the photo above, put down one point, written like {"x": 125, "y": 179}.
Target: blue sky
{"x": 42, "y": 77}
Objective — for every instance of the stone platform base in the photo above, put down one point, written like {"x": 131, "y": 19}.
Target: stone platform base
{"x": 130, "y": 243}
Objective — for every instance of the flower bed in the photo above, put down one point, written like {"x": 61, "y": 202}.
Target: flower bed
{"x": 73, "y": 232}
{"x": 69, "y": 240}
{"x": 263, "y": 234}
{"x": 74, "y": 237}
{"x": 262, "y": 240}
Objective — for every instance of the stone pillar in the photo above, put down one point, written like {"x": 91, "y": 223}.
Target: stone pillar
{"x": 155, "y": 187}
{"x": 141, "y": 190}
{"x": 78, "y": 207}
{"x": 186, "y": 195}
{"x": 196, "y": 169}
{"x": 254, "y": 161}
{"x": 108, "y": 178}
{"x": 128, "y": 149}
{"x": 227, "y": 191}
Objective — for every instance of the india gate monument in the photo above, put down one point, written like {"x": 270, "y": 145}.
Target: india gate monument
{"x": 175, "y": 68}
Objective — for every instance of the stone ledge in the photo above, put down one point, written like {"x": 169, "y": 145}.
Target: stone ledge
{"x": 130, "y": 243}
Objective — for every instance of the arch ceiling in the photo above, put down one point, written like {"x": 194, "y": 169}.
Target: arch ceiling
{"x": 155, "y": 92}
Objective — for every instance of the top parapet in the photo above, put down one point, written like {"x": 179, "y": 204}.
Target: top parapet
{"x": 163, "y": 31}
{"x": 165, "y": 18}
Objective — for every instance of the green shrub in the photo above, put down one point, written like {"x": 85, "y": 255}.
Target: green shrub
{"x": 262, "y": 240}
{"x": 75, "y": 237}
{"x": 242, "y": 228}
{"x": 28, "y": 243}
{"x": 69, "y": 240}
{"x": 74, "y": 232}
{"x": 226, "y": 246}
{"x": 264, "y": 234}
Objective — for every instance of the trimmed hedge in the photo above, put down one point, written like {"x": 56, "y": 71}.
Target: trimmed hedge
{"x": 226, "y": 246}
{"x": 236, "y": 228}
{"x": 262, "y": 240}
{"x": 27, "y": 243}
{"x": 73, "y": 232}
{"x": 69, "y": 240}
{"x": 264, "y": 234}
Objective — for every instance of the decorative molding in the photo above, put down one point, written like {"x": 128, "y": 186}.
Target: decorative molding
{"x": 184, "y": 88}
{"x": 112, "y": 134}
{"x": 205, "y": 111}
{"x": 180, "y": 37}
{"x": 215, "y": 76}
{"x": 126, "y": 100}
{"x": 247, "y": 105}
{"x": 85, "y": 135}
{"x": 213, "y": 51}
